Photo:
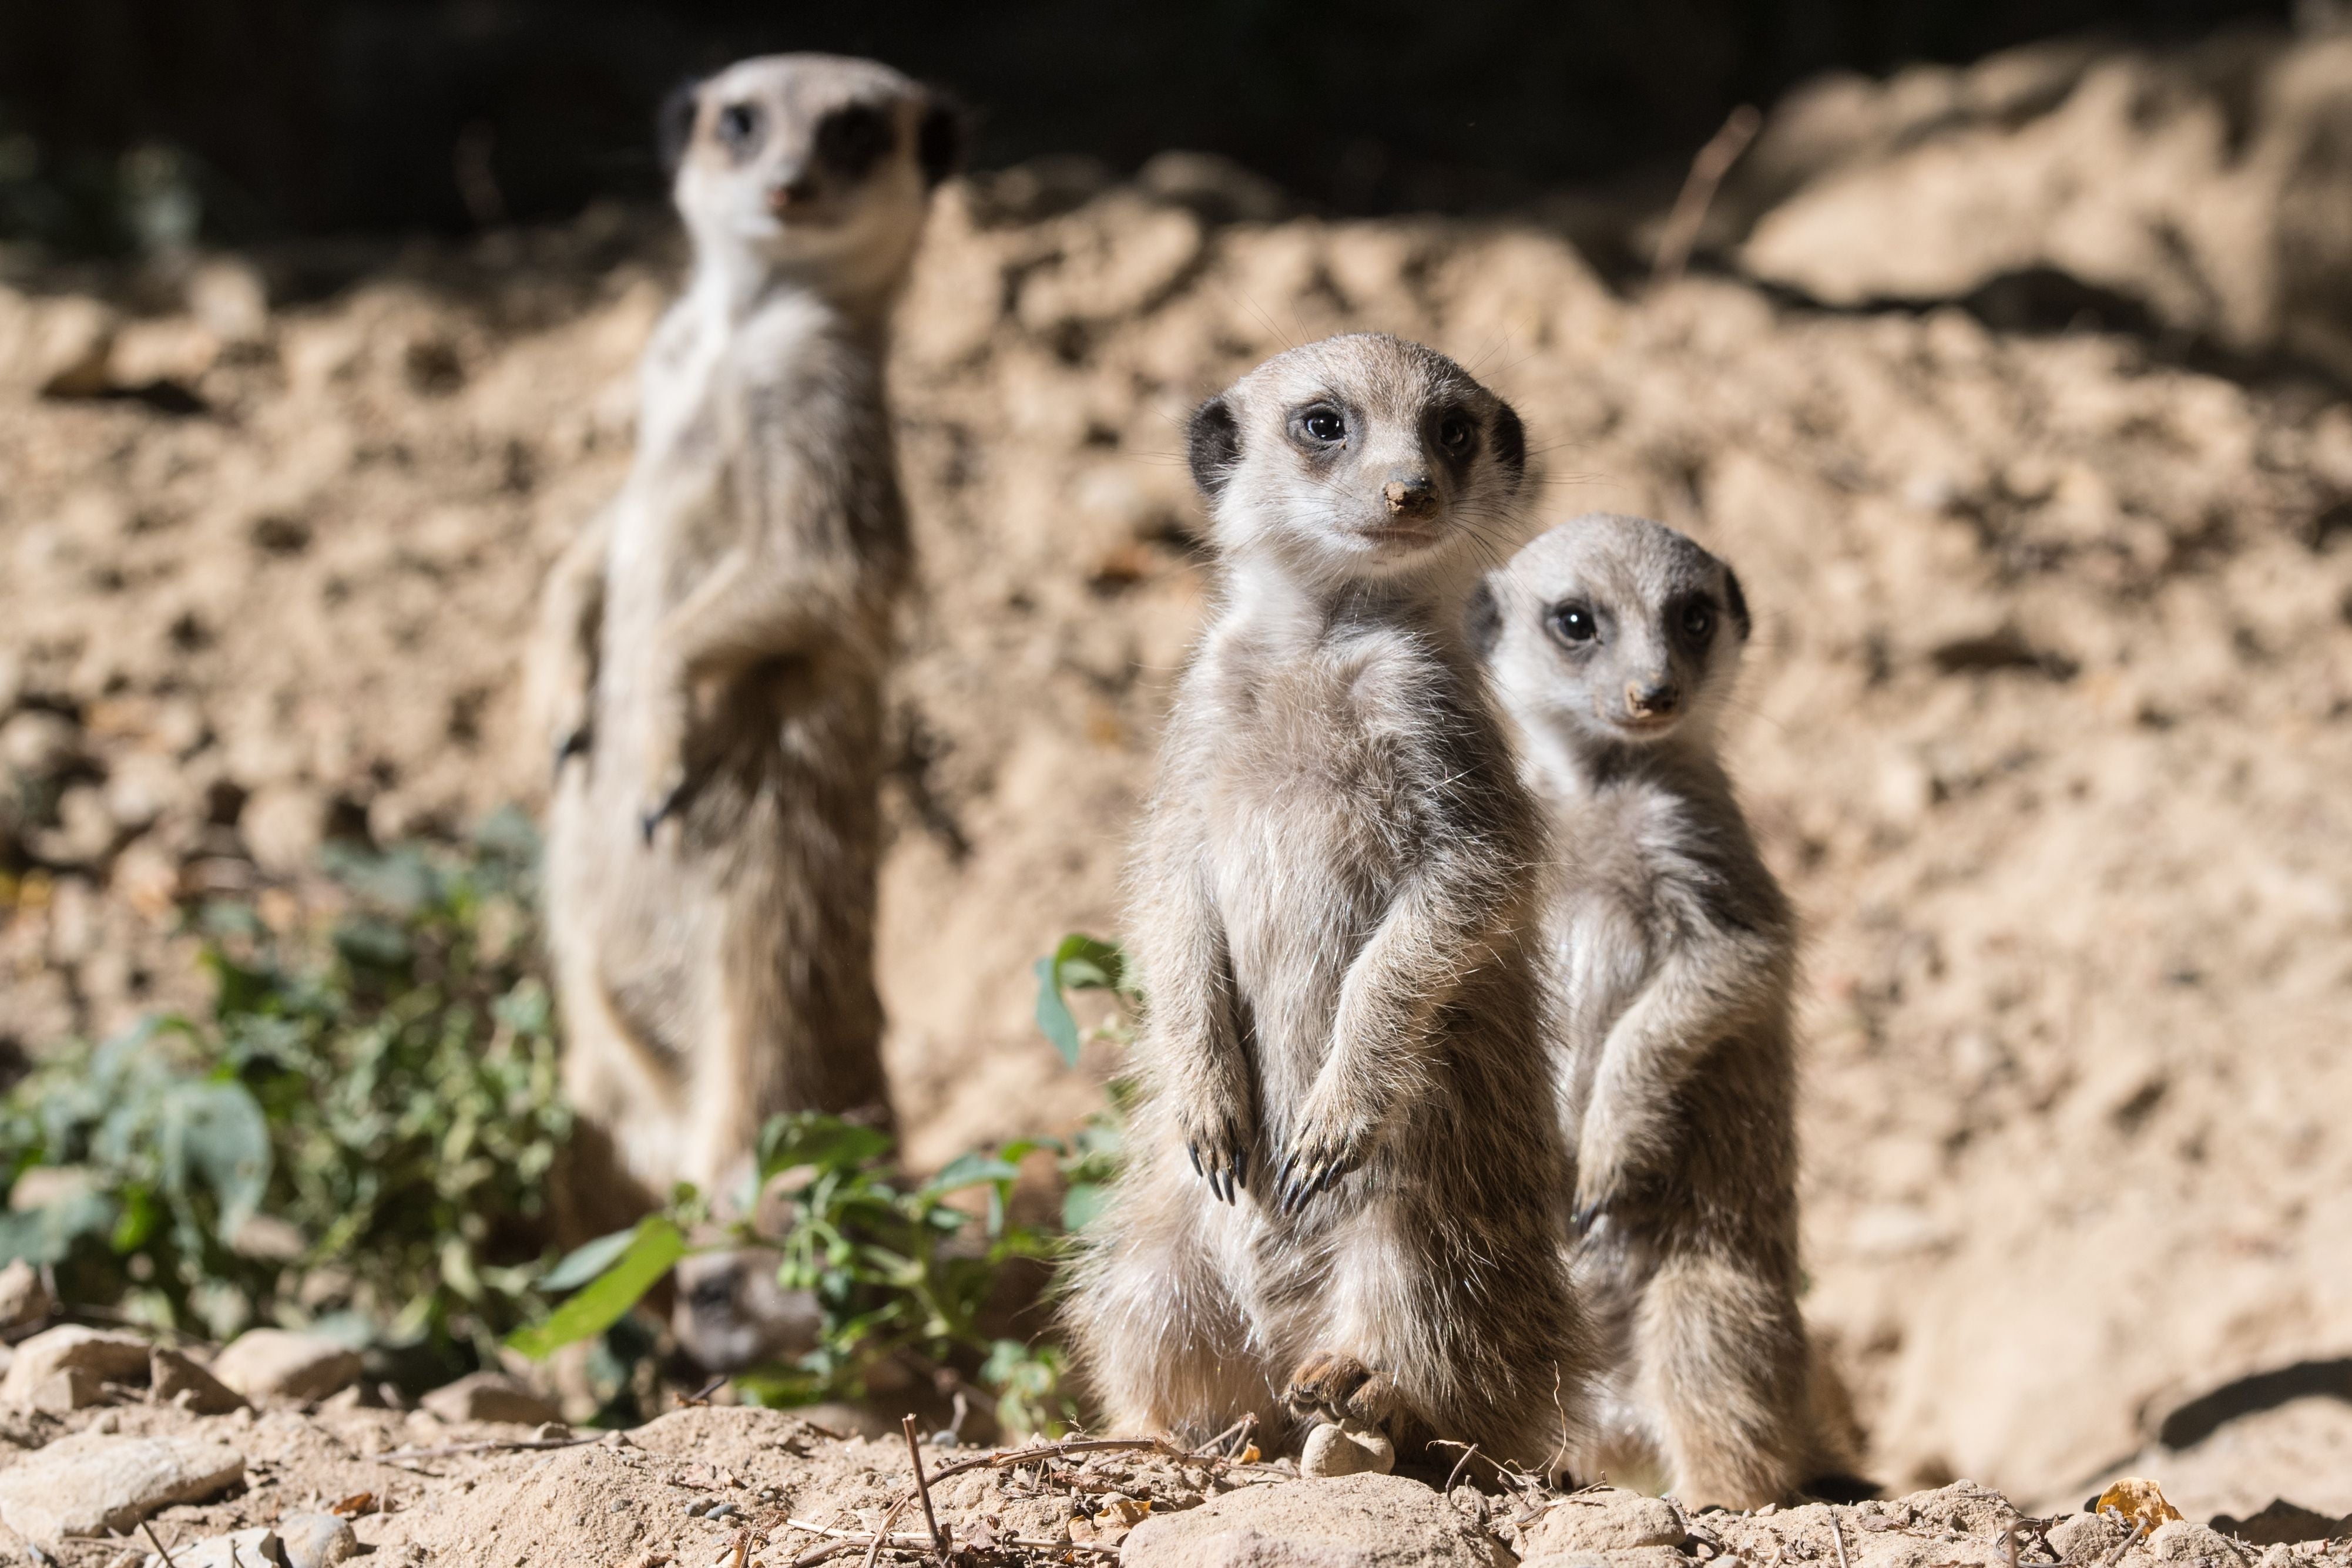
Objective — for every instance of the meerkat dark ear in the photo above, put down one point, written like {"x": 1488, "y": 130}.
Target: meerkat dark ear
{"x": 674, "y": 124}
{"x": 1736, "y": 601}
{"x": 1483, "y": 621}
{"x": 1212, "y": 444}
{"x": 1510, "y": 442}
{"x": 939, "y": 140}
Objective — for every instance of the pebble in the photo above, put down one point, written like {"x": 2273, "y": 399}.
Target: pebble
{"x": 317, "y": 1540}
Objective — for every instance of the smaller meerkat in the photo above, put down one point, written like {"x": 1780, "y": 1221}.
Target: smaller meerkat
{"x": 1343, "y": 1186}
{"x": 712, "y": 658}
{"x": 1614, "y": 643}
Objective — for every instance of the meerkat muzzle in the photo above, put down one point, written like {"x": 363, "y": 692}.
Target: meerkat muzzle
{"x": 1410, "y": 498}
{"x": 791, "y": 195}
{"x": 1653, "y": 701}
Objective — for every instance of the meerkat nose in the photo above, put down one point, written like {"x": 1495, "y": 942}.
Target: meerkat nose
{"x": 1410, "y": 497}
{"x": 1652, "y": 700}
{"x": 786, "y": 195}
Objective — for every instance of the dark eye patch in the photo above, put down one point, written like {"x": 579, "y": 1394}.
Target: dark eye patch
{"x": 1456, "y": 435}
{"x": 1572, "y": 623}
{"x": 1693, "y": 620}
{"x": 1323, "y": 426}
{"x": 850, "y": 141}
{"x": 740, "y": 128}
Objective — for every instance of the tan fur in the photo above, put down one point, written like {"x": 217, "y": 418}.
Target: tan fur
{"x": 715, "y": 643}
{"x": 1333, "y": 913}
{"x": 1674, "y": 956}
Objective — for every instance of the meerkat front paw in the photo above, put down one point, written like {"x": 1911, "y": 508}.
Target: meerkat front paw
{"x": 663, "y": 787}
{"x": 1216, "y": 1139}
{"x": 1331, "y": 1140}
{"x": 1604, "y": 1167}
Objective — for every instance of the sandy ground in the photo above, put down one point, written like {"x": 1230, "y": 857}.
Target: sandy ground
{"x": 2046, "y": 722}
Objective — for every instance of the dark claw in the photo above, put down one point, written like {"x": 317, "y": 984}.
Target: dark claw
{"x": 1192, "y": 1152}
{"x": 661, "y": 812}
{"x": 572, "y": 743}
{"x": 1240, "y": 1168}
{"x": 1583, "y": 1218}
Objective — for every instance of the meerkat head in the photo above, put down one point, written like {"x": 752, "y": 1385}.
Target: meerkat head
{"x": 1362, "y": 457}
{"x": 1612, "y": 629}
{"x": 813, "y": 163}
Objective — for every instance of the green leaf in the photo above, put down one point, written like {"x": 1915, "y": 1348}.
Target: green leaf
{"x": 1083, "y": 1204}
{"x": 1053, "y": 1014}
{"x": 584, "y": 1262}
{"x": 812, "y": 1138}
{"x": 970, "y": 1170}
{"x": 655, "y": 1247}
{"x": 1084, "y": 963}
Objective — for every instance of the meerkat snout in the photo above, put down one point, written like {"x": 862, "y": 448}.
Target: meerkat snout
{"x": 1410, "y": 497}
{"x": 1654, "y": 699}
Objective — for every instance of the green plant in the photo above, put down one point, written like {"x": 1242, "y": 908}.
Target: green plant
{"x": 897, "y": 1271}
{"x": 355, "y": 1136}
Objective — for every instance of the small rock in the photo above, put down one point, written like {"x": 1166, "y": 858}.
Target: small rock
{"x": 244, "y": 1549}
{"x": 491, "y": 1396}
{"x": 1342, "y": 1522}
{"x": 68, "y": 1388}
{"x": 2177, "y": 1541}
{"x": 91, "y": 1484}
{"x": 67, "y": 349}
{"x": 37, "y": 744}
{"x": 106, "y": 1356}
{"x": 173, "y": 1379}
{"x": 2086, "y": 1537}
{"x": 316, "y": 1540}
{"x": 23, "y": 1298}
{"x": 1611, "y": 1521}
{"x": 276, "y": 1363}
{"x": 1346, "y": 1450}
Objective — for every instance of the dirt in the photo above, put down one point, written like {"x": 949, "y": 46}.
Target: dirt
{"x": 2045, "y": 726}
{"x": 726, "y": 1485}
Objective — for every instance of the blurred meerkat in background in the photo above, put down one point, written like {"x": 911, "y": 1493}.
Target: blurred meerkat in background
{"x": 712, "y": 654}
{"x": 1344, "y": 1182}
{"x": 1614, "y": 643}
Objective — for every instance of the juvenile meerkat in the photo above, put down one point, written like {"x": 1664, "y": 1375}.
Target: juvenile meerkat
{"x": 714, "y": 645}
{"x": 1614, "y": 643}
{"x": 1343, "y": 1189}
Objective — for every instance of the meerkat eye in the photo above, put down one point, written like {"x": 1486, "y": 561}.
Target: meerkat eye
{"x": 1456, "y": 435}
{"x": 738, "y": 127}
{"x": 1573, "y": 624}
{"x": 1698, "y": 621}
{"x": 854, "y": 140}
{"x": 1324, "y": 423}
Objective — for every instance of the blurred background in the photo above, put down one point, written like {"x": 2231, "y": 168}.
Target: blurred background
{"x": 2008, "y": 359}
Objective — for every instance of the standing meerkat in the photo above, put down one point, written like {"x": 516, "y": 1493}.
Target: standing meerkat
{"x": 1344, "y": 1180}
{"x": 1614, "y": 643}
{"x": 714, "y": 645}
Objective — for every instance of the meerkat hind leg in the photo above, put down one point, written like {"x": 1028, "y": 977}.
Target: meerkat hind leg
{"x": 1722, "y": 1365}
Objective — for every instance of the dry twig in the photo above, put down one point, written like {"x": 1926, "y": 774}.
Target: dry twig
{"x": 1838, "y": 1536}
{"x": 923, "y": 1487}
{"x": 160, "y": 1550}
{"x": 1706, "y": 172}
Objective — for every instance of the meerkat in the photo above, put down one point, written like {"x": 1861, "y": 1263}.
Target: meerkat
{"x": 714, "y": 645}
{"x": 1341, "y": 1194}
{"x": 1614, "y": 643}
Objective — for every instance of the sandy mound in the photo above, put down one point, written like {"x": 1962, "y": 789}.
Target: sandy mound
{"x": 2047, "y": 721}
